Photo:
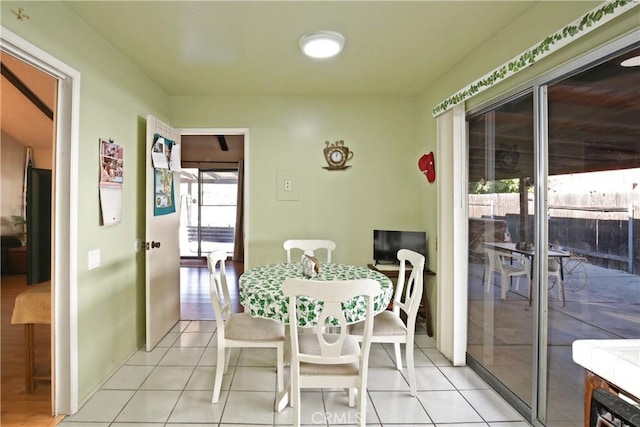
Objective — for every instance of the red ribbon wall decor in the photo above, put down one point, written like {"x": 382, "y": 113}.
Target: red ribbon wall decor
{"x": 427, "y": 166}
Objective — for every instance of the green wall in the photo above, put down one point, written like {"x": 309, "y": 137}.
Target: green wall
{"x": 379, "y": 190}
{"x": 115, "y": 98}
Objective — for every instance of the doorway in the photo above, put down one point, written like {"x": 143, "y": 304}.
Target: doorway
{"x": 212, "y": 195}
{"x": 65, "y": 220}
{"x": 27, "y": 118}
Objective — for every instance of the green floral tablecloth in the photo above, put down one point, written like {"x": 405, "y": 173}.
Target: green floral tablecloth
{"x": 261, "y": 294}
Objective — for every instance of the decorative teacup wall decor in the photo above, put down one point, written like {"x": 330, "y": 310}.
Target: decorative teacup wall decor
{"x": 337, "y": 154}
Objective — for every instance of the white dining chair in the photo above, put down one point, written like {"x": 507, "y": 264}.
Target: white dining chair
{"x": 308, "y": 246}
{"x": 388, "y": 326}
{"x": 508, "y": 265}
{"x": 329, "y": 360}
{"x": 238, "y": 330}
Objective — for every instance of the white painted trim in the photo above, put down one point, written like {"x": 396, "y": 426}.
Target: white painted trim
{"x": 460, "y": 236}
{"x": 65, "y": 268}
{"x": 582, "y": 26}
{"x": 451, "y": 337}
{"x": 444, "y": 242}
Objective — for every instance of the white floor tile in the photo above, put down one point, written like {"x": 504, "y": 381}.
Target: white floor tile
{"x": 510, "y": 424}
{"x": 257, "y": 357}
{"x": 249, "y": 378}
{"x": 464, "y": 378}
{"x": 228, "y": 425}
{"x": 103, "y": 406}
{"x": 411, "y": 425}
{"x": 173, "y": 386}
{"x": 379, "y": 358}
{"x": 461, "y": 425}
{"x": 201, "y": 326}
{"x": 491, "y": 406}
{"x": 338, "y": 412}
{"x": 436, "y": 357}
{"x": 448, "y": 407}
{"x": 397, "y": 408}
{"x": 424, "y": 341}
{"x": 419, "y": 357}
{"x": 128, "y": 377}
{"x": 149, "y": 406}
{"x": 168, "y": 339}
{"x": 193, "y": 339}
{"x": 143, "y": 357}
{"x": 388, "y": 379}
{"x": 181, "y": 326}
{"x": 168, "y": 378}
{"x": 65, "y": 423}
{"x": 195, "y": 425}
{"x": 196, "y": 407}
{"x": 312, "y": 410}
{"x": 203, "y": 376}
{"x": 209, "y": 357}
{"x": 249, "y": 407}
{"x": 182, "y": 356}
{"x": 430, "y": 379}
{"x": 136, "y": 425}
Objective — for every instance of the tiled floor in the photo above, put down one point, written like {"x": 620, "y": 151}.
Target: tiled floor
{"x": 172, "y": 386}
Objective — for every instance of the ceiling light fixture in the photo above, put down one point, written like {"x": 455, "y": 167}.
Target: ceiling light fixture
{"x": 322, "y": 44}
{"x": 634, "y": 61}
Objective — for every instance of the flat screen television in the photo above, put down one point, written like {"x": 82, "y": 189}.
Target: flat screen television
{"x": 386, "y": 244}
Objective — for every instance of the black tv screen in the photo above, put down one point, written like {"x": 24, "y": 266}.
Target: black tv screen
{"x": 386, "y": 244}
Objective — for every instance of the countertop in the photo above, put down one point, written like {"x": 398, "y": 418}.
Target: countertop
{"x": 616, "y": 361}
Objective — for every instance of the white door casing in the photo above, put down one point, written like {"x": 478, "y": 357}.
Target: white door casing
{"x": 65, "y": 226}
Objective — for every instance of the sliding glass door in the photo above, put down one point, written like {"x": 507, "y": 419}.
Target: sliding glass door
{"x": 559, "y": 261}
{"x": 500, "y": 325}
{"x": 593, "y": 201}
{"x": 208, "y": 211}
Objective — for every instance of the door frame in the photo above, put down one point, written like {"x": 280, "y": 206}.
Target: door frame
{"x": 231, "y": 131}
{"x": 64, "y": 342}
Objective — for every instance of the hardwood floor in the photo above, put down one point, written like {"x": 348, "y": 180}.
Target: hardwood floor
{"x": 19, "y": 408}
{"x": 195, "y": 302}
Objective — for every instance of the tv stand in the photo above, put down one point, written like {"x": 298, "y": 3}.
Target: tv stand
{"x": 387, "y": 267}
{"x": 391, "y": 271}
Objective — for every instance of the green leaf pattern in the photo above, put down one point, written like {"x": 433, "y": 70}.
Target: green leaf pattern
{"x": 261, "y": 296}
{"x": 529, "y": 57}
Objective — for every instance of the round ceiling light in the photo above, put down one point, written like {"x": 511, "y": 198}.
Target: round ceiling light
{"x": 322, "y": 44}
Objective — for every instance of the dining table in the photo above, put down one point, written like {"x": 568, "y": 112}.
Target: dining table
{"x": 530, "y": 253}
{"x": 260, "y": 291}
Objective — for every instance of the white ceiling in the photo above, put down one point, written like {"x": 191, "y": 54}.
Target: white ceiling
{"x": 393, "y": 48}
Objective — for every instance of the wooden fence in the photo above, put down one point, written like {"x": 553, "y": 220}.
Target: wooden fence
{"x": 605, "y": 228}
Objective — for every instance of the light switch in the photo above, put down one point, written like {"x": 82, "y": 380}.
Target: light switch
{"x": 285, "y": 190}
